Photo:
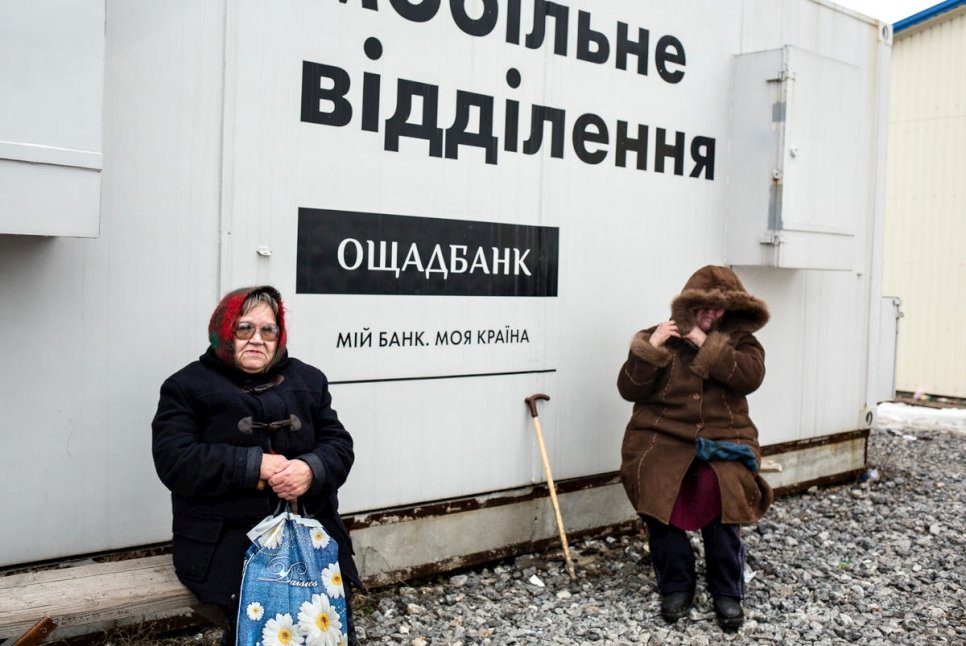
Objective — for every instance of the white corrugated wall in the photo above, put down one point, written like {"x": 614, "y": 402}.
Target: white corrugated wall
{"x": 925, "y": 209}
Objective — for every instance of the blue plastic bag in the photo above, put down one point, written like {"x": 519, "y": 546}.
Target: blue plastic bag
{"x": 291, "y": 590}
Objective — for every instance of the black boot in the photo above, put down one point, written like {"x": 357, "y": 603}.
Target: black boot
{"x": 675, "y": 605}
{"x": 729, "y": 612}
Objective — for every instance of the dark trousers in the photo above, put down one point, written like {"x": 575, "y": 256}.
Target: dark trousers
{"x": 673, "y": 558}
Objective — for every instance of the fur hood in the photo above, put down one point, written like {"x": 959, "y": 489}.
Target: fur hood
{"x": 713, "y": 286}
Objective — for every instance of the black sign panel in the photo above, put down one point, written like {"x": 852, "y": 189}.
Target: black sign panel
{"x": 347, "y": 252}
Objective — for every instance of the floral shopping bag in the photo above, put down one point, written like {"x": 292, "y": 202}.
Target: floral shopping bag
{"x": 291, "y": 590}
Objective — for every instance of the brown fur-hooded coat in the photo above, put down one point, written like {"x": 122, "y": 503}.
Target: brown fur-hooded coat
{"x": 681, "y": 393}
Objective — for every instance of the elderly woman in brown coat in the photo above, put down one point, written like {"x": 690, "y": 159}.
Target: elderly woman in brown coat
{"x": 690, "y": 454}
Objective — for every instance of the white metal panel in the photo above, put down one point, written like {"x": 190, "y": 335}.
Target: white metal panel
{"x": 824, "y": 133}
{"x": 795, "y": 142}
{"x": 108, "y": 319}
{"x": 756, "y": 153}
{"x": 195, "y": 181}
{"x": 476, "y": 430}
{"x": 49, "y": 199}
{"x": 52, "y": 75}
{"x": 811, "y": 463}
{"x": 925, "y": 226}
{"x": 885, "y": 378}
{"x": 815, "y": 378}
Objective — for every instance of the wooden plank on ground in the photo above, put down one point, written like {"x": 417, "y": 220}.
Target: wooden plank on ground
{"x": 92, "y": 594}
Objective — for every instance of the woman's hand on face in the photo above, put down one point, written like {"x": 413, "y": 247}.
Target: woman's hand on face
{"x": 663, "y": 332}
{"x": 292, "y": 480}
{"x": 271, "y": 464}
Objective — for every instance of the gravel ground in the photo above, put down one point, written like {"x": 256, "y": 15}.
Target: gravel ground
{"x": 881, "y": 561}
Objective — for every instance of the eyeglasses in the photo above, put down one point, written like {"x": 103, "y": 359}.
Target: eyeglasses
{"x": 245, "y": 331}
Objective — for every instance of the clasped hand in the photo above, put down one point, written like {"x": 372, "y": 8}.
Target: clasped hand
{"x": 289, "y": 479}
{"x": 669, "y": 329}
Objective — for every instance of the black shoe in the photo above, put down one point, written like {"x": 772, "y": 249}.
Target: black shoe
{"x": 675, "y": 605}
{"x": 729, "y": 612}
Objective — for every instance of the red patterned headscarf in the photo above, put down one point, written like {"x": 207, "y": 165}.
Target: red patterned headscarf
{"x": 221, "y": 327}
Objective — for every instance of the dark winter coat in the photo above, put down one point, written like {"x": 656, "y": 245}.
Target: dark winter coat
{"x": 681, "y": 393}
{"x": 209, "y": 435}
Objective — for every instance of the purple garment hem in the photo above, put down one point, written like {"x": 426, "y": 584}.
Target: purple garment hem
{"x": 699, "y": 500}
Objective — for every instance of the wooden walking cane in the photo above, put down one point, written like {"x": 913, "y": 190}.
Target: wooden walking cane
{"x": 532, "y": 404}
{"x": 36, "y": 633}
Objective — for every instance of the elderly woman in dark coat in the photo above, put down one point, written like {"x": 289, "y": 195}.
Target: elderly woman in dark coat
{"x": 236, "y": 431}
{"x": 690, "y": 454}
